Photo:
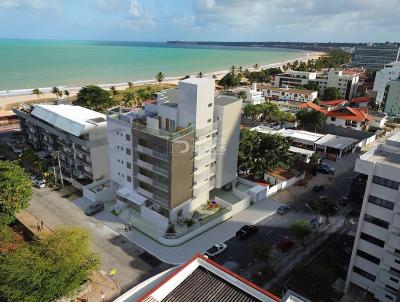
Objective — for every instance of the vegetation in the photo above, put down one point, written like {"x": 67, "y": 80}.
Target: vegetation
{"x": 331, "y": 93}
{"x": 259, "y": 152}
{"x": 159, "y": 77}
{"x": 311, "y": 120}
{"x": 15, "y": 191}
{"x": 233, "y": 78}
{"x": 66, "y": 93}
{"x": 334, "y": 59}
{"x": 324, "y": 206}
{"x": 300, "y": 229}
{"x": 56, "y": 91}
{"x": 94, "y": 97}
{"x": 48, "y": 269}
{"x": 242, "y": 95}
{"x": 37, "y": 92}
{"x": 261, "y": 251}
{"x": 267, "y": 112}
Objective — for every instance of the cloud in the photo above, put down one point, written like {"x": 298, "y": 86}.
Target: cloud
{"x": 111, "y": 5}
{"x": 138, "y": 17}
{"x": 30, "y": 4}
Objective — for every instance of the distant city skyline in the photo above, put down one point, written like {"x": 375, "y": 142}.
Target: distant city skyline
{"x": 202, "y": 20}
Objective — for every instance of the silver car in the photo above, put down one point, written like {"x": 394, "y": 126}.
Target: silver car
{"x": 94, "y": 208}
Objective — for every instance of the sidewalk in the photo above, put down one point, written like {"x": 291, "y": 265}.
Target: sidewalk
{"x": 180, "y": 254}
{"x": 32, "y": 224}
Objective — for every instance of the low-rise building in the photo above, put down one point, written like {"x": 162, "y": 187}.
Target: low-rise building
{"x": 390, "y": 72}
{"x": 374, "y": 264}
{"x": 392, "y": 98}
{"x": 254, "y": 96}
{"x": 75, "y": 135}
{"x": 360, "y": 102}
{"x": 377, "y": 119}
{"x": 289, "y": 94}
{"x": 332, "y": 105}
{"x": 9, "y": 122}
{"x": 293, "y": 78}
{"x": 348, "y": 117}
{"x": 287, "y": 105}
{"x": 345, "y": 82}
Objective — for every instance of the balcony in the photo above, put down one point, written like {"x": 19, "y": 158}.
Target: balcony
{"x": 152, "y": 182}
{"x": 151, "y": 167}
{"x": 203, "y": 187}
{"x": 151, "y": 195}
{"x": 152, "y": 152}
{"x": 204, "y": 160}
{"x": 207, "y": 173}
{"x": 212, "y": 128}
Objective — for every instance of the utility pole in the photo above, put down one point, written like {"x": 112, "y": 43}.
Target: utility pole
{"x": 59, "y": 166}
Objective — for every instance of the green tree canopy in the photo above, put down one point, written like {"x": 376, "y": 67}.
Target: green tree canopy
{"x": 37, "y": 92}
{"x": 261, "y": 251}
{"x": 15, "y": 190}
{"x": 324, "y": 206}
{"x": 48, "y": 269}
{"x": 331, "y": 93}
{"x": 310, "y": 119}
{"x": 300, "y": 229}
{"x": 159, "y": 77}
{"x": 93, "y": 97}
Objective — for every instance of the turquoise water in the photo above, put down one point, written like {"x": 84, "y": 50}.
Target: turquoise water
{"x": 37, "y": 63}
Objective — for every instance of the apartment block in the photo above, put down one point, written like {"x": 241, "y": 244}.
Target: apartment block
{"x": 165, "y": 158}
{"x": 293, "y": 78}
{"x": 391, "y": 98}
{"x": 289, "y": 94}
{"x": 375, "y": 260}
{"x": 375, "y": 57}
{"x": 75, "y": 135}
{"x": 389, "y": 73}
{"x": 345, "y": 82}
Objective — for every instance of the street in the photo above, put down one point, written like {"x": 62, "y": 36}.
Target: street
{"x": 275, "y": 227}
{"x": 132, "y": 264}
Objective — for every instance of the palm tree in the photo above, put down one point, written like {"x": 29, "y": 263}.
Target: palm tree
{"x": 242, "y": 94}
{"x": 233, "y": 69}
{"x": 240, "y": 69}
{"x": 60, "y": 93}
{"x": 255, "y": 66}
{"x": 159, "y": 77}
{"x": 66, "y": 93}
{"x": 37, "y": 91}
{"x": 200, "y": 75}
{"x": 131, "y": 99}
{"x": 214, "y": 76}
{"x": 113, "y": 90}
{"x": 130, "y": 84}
{"x": 55, "y": 91}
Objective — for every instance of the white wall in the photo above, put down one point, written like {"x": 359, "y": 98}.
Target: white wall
{"x": 390, "y": 72}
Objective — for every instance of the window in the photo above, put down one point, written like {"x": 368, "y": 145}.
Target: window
{"x": 379, "y": 222}
{"x": 364, "y": 273}
{"x": 128, "y": 151}
{"x": 128, "y": 178}
{"x": 167, "y": 124}
{"x": 129, "y": 165}
{"x": 397, "y": 252}
{"x": 348, "y": 123}
{"x": 386, "y": 182}
{"x": 397, "y": 261}
{"x": 208, "y": 121}
{"x": 210, "y": 105}
{"x": 391, "y": 289}
{"x": 367, "y": 256}
{"x": 372, "y": 239}
{"x": 381, "y": 202}
{"x": 394, "y": 280}
{"x": 333, "y": 118}
{"x": 389, "y": 297}
{"x": 128, "y": 137}
{"x": 354, "y": 124}
{"x": 394, "y": 272}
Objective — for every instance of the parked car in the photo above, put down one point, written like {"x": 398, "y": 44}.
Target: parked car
{"x": 246, "y": 231}
{"x": 39, "y": 183}
{"x": 284, "y": 245}
{"x": 344, "y": 201}
{"x": 313, "y": 221}
{"x": 94, "y": 208}
{"x": 282, "y": 210}
{"x": 325, "y": 170}
{"x": 216, "y": 249}
{"x": 332, "y": 169}
{"x": 318, "y": 188}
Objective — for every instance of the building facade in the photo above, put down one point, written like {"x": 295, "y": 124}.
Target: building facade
{"x": 389, "y": 73}
{"x": 292, "y": 78}
{"x": 75, "y": 135}
{"x": 375, "y": 260}
{"x": 347, "y": 84}
{"x": 289, "y": 94}
{"x": 375, "y": 56}
{"x": 392, "y": 98}
{"x": 166, "y": 158}
{"x": 254, "y": 96}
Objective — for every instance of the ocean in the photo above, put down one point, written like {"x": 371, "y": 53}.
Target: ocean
{"x": 27, "y": 64}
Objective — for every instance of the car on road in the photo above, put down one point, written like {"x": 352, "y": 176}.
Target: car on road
{"x": 282, "y": 210}
{"x": 344, "y": 201}
{"x": 94, "y": 208}
{"x": 216, "y": 249}
{"x": 325, "y": 170}
{"x": 246, "y": 231}
{"x": 39, "y": 183}
{"x": 318, "y": 188}
{"x": 284, "y": 245}
{"x": 330, "y": 168}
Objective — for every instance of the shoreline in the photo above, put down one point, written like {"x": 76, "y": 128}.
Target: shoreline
{"x": 15, "y": 96}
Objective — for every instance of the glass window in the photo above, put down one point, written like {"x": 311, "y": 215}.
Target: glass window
{"x": 129, "y": 165}
{"x": 367, "y": 256}
{"x": 128, "y": 178}
{"x": 364, "y": 273}
{"x": 386, "y": 182}
{"x": 381, "y": 202}
{"x": 128, "y": 137}
{"x": 128, "y": 151}
{"x": 379, "y": 222}
{"x": 372, "y": 239}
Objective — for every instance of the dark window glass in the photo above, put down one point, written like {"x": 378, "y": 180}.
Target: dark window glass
{"x": 364, "y": 273}
{"x": 368, "y": 257}
{"x": 381, "y": 202}
{"x": 394, "y": 272}
{"x": 128, "y": 151}
{"x": 128, "y": 137}
{"x": 372, "y": 239}
{"x": 386, "y": 182}
{"x": 394, "y": 280}
{"x": 379, "y": 222}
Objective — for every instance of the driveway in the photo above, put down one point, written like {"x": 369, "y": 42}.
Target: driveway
{"x": 133, "y": 265}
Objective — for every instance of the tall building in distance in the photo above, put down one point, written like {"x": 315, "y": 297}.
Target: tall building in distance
{"x": 166, "y": 158}
{"x": 76, "y": 135}
{"x": 375, "y": 260}
{"x": 392, "y": 98}
{"x": 375, "y": 56}
{"x": 390, "y": 72}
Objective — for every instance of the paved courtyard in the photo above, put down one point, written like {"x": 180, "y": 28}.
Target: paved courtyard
{"x": 132, "y": 263}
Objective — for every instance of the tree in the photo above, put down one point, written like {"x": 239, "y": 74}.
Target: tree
{"x": 300, "y": 229}
{"x": 255, "y": 66}
{"x": 312, "y": 86}
{"x": 15, "y": 191}
{"x": 311, "y": 120}
{"x": 113, "y": 90}
{"x": 130, "y": 84}
{"x": 233, "y": 69}
{"x": 261, "y": 251}
{"x": 93, "y": 97}
{"x": 48, "y": 269}
{"x": 37, "y": 92}
{"x": 242, "y": 95}
{"x": 200, "y": 75}
{"x": 159, "y": 77}
{"x": 60, "y": 93}
{"x": 55, "y": 91}
{"x": 324, "y": 206}
{"x": 230, "y": 80}
{"x": 269, "y": 111}
{"x": 131, "y": 99}
{"x": 331, "y": 93}
{"x": 66, "y": 93}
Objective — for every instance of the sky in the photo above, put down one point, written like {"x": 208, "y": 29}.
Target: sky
{"x": 202, "y": 20}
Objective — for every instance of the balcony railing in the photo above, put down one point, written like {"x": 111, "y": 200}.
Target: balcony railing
{"x": 152, "y": 182}
{"x": 151, "y": 152}
{"x": 151, "y": 195}
{"x": 212, "y": 128}
{"x": 208, "y": 159}
{"x": 151, "y": 167}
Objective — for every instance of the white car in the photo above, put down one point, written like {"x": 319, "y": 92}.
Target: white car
{"x": 39, "y": 183}
{"x": 216, "y": 249}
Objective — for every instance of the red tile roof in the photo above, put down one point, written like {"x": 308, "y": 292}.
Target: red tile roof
{"x": 348, "y": 113}
{"x": 332, "y": 102}
{"x": 315, "y": 107}
{"x": 361, "y": 99}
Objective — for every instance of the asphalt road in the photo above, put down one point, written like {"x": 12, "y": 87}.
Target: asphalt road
{"x": 275, "y": 227}
{"x": 133, "y": 265}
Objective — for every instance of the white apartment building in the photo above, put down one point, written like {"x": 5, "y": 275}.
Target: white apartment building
{"x": 254, "y": 96}
{"x": 375, "y": 260}
{"x": 292, "y": 78}
{"x": 76, "y": 134}
{"x": 347, "y": 84}
{"x": 392, "y": 98}
{"x": 390, "y": 72}
{"x": 166, "y": 158}
{"x": 289, "y": 94}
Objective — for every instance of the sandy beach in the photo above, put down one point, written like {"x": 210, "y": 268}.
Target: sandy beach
{"x": 13, "y": 98}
